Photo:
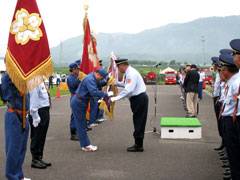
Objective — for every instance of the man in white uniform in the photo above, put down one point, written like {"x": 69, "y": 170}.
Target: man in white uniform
{"x": 39, "y": 122}
{"x": 135, "y": 90}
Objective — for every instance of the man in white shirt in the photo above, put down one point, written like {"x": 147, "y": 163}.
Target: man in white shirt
{"x": 39, "y": 122}
{"x": 135, "y": 90}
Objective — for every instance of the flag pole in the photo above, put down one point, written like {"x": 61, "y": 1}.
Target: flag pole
{"x": 24, "y": 113}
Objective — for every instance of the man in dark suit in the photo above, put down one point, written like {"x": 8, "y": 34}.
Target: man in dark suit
{"x": 191, "y": 87}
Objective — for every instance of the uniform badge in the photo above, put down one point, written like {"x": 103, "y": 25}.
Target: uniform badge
{"x": 129, "y": 81}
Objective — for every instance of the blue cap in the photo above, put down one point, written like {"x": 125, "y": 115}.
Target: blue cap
{"x": 74, "y": 66}
{"x": 226, "y": 51}
{"x": 235, "y": 45}
{"x": 121, "y": 61}
{"x": 103, "y": 72}
{"x": 216, "y": 61}
{"x": 226, "y": 60}
{"x": 78, "y": 61}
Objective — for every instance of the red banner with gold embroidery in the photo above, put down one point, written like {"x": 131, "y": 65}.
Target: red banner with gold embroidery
{"x": 28, "y": 59}
{"x": 90, "y": 60}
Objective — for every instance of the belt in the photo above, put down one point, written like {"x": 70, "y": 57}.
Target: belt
{"x": 18, "y": 111}
{"x": 86, "y": 100}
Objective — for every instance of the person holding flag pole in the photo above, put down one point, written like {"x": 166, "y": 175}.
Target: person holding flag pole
{"x": 28, "y": 64}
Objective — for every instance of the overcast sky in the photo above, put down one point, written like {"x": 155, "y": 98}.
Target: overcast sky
{"x": 63, "y": 18}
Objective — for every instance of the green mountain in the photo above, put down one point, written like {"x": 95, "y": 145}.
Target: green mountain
{"x": 181, "y": 42}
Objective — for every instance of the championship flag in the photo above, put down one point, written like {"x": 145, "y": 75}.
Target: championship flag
{"x": 90, "y": 60}
{"x": 28, "y": 59}
{"x": 106, "y": 103}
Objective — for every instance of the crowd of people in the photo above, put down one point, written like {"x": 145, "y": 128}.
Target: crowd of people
{"x": 226, "y": 94}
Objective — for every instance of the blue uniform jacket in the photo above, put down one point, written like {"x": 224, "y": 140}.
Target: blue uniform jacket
{"x": 11, "y": 94}
{"x": 89, "y": 87}
{"x": 73, "y": 83}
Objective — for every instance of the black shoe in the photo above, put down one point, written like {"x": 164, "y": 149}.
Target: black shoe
{"x": 227, "y": 173}
{"x": 135, "y": 148}
{"x": 37, "y": 164}
{"x": 74, "y": 137}
{"x": 45, "y": 163}
{"x": 227, "y": 177}
{"x": 220, "y": 148}
{"x": 224, "y": 157}
{"x": 225, "y": 161}
{"x": 88, "y": 128}
{"x": 225, "y": 165}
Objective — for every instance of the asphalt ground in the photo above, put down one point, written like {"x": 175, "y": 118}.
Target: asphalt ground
{"x": 162, "y": 159}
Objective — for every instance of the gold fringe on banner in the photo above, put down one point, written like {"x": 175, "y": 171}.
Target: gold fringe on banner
{"x": 27, "y": 82}
{"x": 103, "y": 104}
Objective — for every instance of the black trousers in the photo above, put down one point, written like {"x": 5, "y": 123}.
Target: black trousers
{"x": 139, "y": 107}
{"x": 231, "y": 134}
{"x": 39, "y": 133}
{"x": 217, "y": 109}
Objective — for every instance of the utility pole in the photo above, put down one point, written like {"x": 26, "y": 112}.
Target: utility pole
{"x": 203, "y": 49}
{"x": 60, "y": 55}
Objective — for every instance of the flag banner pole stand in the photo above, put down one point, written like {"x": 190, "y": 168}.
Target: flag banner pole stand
{"x": 154, "y": 118}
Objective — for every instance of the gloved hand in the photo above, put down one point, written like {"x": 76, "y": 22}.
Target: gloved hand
{"x": 113, "y": 99}
{"x": 36, "y": 122}
{"x": 110, "y": 93}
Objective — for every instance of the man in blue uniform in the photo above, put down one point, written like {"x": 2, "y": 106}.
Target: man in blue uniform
{"x": 135, "y": 90}
{"x": 79, "y": 103}
{"x": 39, "y": 122}
{"x": 73, "y": 83}
{"x": 15, "y": 138}
{"x": 230, "y": 114}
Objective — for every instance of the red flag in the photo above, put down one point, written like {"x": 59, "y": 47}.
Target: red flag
{"x": 28, "y": 59}
{"x": 90, "y": 60}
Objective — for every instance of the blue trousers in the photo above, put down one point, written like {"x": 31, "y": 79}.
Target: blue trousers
{"x": 72, "y": 123}
{"x": 100, "y": 114}
{"x": 200, "y": 86}
{"x": 93, "y": 110}
{"x": 16, "y": 146}
{"x": 79, "y": 109}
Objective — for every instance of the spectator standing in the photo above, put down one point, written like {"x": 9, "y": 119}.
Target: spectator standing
{"x": 58, "y": 79}
{"x": 63, "y": 77}
{"x": 191, "y": 87}
{"x": 50, "y": 82}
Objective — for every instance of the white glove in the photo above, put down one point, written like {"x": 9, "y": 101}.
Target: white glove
{"x": 100, "y": 100}
{"x": 36, "y": 122}
{"x": 113, "y": 99}
{"x": 110, "y": 93}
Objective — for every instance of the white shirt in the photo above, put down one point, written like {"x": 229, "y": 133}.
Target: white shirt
{"x": 58, "y": 76}
{"x": 229, "y": 102}
{"x": 133, "y": 84}
{"x": 38, "y": 98}
{"x": 201, "y": 76}
{"x": 216, "y": 90}
{"x": 222, "y": 87}
{"x": 0, "y": 78}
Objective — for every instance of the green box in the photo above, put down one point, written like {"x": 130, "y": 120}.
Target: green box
{"x": 180, "y": 122}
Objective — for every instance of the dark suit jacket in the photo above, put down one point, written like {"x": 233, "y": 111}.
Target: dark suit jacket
{"x": 191, "y": 81}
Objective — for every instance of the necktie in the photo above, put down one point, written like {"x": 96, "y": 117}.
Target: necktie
{"x": 223, "y": 107}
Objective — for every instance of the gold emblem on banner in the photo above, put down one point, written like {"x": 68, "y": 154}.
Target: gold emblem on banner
{"x": 26, "y": 27}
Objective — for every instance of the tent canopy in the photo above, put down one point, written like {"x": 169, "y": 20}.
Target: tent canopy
{"x": 167, "y": 70}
